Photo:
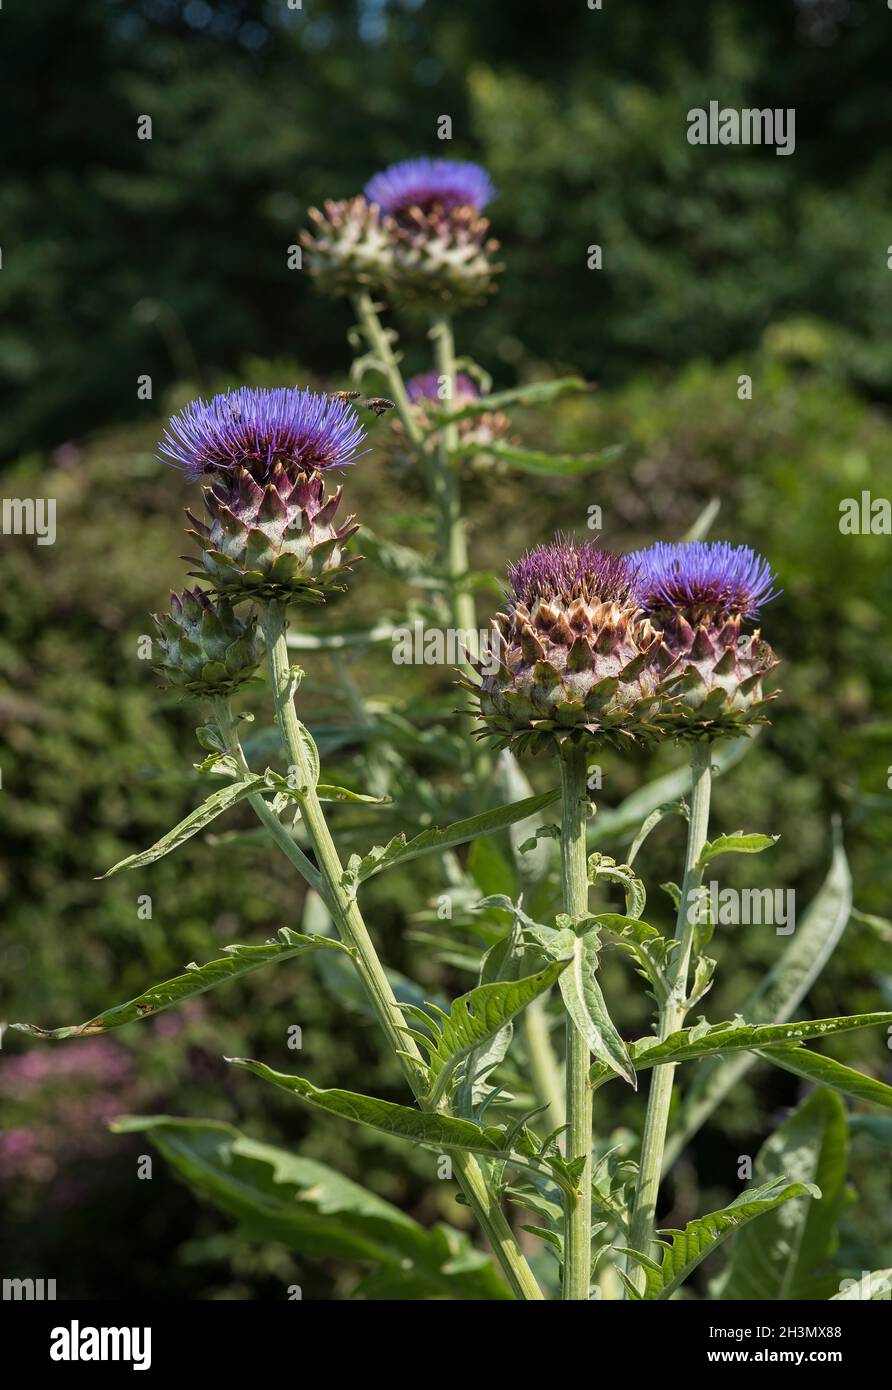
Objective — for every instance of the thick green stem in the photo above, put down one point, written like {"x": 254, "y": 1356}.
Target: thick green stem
{"x": 545, "y": 1071}
{"x": 672, "y": 1012}
{"x": 378, "y": 340}
{"x": 265, "y": 814}
{"x": 453, "y": 534}
{"x": 355, "y": 934}
{"x": 578, "y": 1226}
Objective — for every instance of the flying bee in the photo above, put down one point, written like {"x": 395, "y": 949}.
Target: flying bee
{"x": 346, "y": 395}
{"x": 379, "y": 404}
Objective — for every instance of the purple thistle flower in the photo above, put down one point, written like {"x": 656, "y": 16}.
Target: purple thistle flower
{"x": 566, "y": 570}
{"x": 255, "y": 427}
{"x": 728, "y": 579}
{"x": 426, "y": 387}
{"x": 422, "y": 182}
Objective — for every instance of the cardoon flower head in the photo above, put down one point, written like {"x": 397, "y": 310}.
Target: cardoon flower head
{"x": 428, "y": 183}
{"x": 271, "y": 533}
{"x": 698, "y": 595}
{"x": 206, "y": 650}
{"x": 256, "y": 428}
{"x": 708, "y": 576}
{"x": 350, "y": 249}
{"x": 431, "y": 210}
{"x": 575, "y": 654}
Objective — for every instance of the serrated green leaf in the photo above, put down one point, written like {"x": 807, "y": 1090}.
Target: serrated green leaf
{"x": 442, "y": 1133}
{"x": 533, "y": 393}
{"x": 776, "y": 997}
{"x": 279, "y": 1196}
{"x": 238, "y": 960}
{"x": 686, "y": 1249}
{"x": 311, "y": 752}
{"x": 214, "y": 806}
{"x": 738, "y": 843}
{"x": 329, "y": 793}
{"x": 690, "y": 1044}
{"x": 644, "y": 943}
{"x": 585, "y": 1004}
{"x": 399, "y": 850}
{"x": 789, "y": 1256}
{"x": 476, "y": 1017}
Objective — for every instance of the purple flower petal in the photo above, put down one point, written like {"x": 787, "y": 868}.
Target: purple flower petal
{"x": 566, "y": 570}
{"x": 254, "y": 427}
{"x": 713, "y": 574}
{"x": 421, "y": 182}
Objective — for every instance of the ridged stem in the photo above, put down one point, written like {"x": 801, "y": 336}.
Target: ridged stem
{"x": 355, "y": 934}
{"x": 264, "y": 812}
{"x": 545, "y": 1072}
{"x": 578, "y": 1224}
{"x": 376, "y": 336}
{"x": 672, "y": 1013}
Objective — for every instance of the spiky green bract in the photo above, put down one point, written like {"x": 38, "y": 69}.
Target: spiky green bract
{"x": 573, "y": 655}
{"x": 697, "y": 595}
{"x": 442, "y": 257}
{"x": 272, "y": 540}
{"x": 206, "y": 650}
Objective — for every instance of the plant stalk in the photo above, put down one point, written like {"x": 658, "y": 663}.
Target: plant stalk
{"x": 546, "y": 1073}
{"x": 355, "y": 934}
{"x": 672, "y": 1013}
{"x": 264, "y": 812}
{"x": 578, "y": 1224}
{"x": 378, "y": 340}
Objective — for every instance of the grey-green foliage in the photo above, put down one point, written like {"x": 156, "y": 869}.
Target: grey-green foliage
{"x": 789, "y": 1256}
{"x": 280, "y": 1196}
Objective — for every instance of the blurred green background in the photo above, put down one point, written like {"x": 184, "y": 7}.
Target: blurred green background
{"x": 123, "y": 257}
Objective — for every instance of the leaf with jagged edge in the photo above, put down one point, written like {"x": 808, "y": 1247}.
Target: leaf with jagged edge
{"x": 775, "y": 998}
{"x": 790, "y": 1256}
{"x": 587, "y": 1008}
{"x": 442, "y": 1133}
{"x": 532, "y": 393}
{"x": 718, "y": 1039}
{"x": 648, "y": 947}
{"x": 738, "y": 843}
{"x": 280, "y": 1196}
{"x": 539, "y": 462}
{"x": 214, "y": 806}
{"x": 198, "y": 979}
{"x": 685, "y": 1250}
{"x": 476, "y": 1017}
{"x": 503, "y": 961}
{"x": 399, "y": 850}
